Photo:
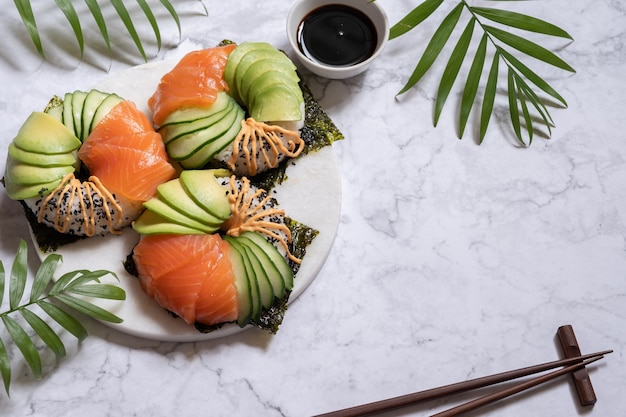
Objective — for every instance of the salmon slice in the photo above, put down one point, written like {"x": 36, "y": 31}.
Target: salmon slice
{"x": 193, "y": 82}
{"x": 217, "y": 302}
{"x": 195, "y": 280}
{"x": 128, "y": 173}
{"x": 127, "y": 154}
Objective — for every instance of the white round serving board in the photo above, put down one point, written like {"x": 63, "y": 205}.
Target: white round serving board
{"x": 311, "y": 195}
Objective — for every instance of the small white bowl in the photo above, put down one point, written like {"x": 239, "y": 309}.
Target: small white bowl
{"x": 302, "y": 8}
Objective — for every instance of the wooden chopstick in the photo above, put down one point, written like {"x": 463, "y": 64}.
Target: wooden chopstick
{"x": 434, "y": 393}
{"x": 507, "y": 392}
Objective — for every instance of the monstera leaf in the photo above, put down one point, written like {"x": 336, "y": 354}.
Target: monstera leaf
{"x": 67, "y": 7}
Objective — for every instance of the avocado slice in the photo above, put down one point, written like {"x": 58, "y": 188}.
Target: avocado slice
{"x": 22, "y": 192}
{"x": 40, "y": 160}
{"x": 42, "y": 133}
{"x": 173, "y": 194}
{"x": 23, "y": 174}
{"x": 203, "y": 188}
{"x": 269, "y": 80}
{"x": 235, "y": 58}
{"x": 172, "y": 215}
{"x": 151, "y": 223}
{"x": 276, "y": 103}
{"x": 260, "y": 68}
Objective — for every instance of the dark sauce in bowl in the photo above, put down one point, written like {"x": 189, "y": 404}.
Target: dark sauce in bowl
{"x": 337, "y": 35}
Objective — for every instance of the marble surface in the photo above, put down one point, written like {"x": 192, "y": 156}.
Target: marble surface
{"x": 452, "y": 260}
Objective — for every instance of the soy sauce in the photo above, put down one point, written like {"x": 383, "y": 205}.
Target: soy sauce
{"x": 337, "y": 35}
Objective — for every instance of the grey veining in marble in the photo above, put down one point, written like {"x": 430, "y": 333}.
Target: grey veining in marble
{"x": 452, "y": 260}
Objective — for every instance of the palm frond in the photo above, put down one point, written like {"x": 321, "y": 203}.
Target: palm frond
{"x": 72, "y": 292}
{"x": 27, "y": 15}
{"x": 523, "y": 84}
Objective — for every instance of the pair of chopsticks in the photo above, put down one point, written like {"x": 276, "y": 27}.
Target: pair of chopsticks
{"x": 569, "y": 365}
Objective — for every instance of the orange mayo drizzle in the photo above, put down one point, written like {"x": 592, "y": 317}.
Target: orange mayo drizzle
{"x": 72, "y": 187}
{"x": 252, "y": 137}
{"x": 247, "y": 218}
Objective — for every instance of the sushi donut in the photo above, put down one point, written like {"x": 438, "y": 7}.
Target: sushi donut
{"x": 240, "y": 106}
{"x": 86, "y": 164}
{"x": 216, "y": 253}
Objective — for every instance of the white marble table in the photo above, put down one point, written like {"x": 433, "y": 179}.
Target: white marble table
{"x": 452, "y": 260}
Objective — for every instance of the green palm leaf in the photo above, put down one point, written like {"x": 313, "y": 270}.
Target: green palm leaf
{"x": 18, "y": 276}
{"x": 96, "y": 12}
{"x": 452, "y": 69}
{"x": 25, "y": 344}
{"x": 5, "y": 366}
{"x": 122, "y": 12}
{"x": 490, "y": 96}
{"x": 532, "y": 76}
{"x": 45, "y": 332}
{"x": 44, "y": 276}
{"x": 434, "y": 47}
{"x": 471, "y": 85}
{"x": 513, "y": 109}
{"x": 523, "y": 101}
{"x": 64, "y": 319}
{"x": 28, "y": 18}
{"x": 521, "y": 21}
{"x": 2, "y": 280}
{"x": 528, "y": 47}
{"x": 88, "y": 308}
{"x": 152, "y": 20}
{"x": 27, "y": 15}
{"x": 536, "y": 102}
{"x": 69, "y": 11}
{"x": 66, "y": 291}
{"x": 527, "y": 117}
{"x": 414, "y": 18}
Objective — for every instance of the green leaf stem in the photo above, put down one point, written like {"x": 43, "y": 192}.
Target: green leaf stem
{"x": 71, "y": 293}
{"x": 526, "y": 106}
{"x": 27, "y": 15}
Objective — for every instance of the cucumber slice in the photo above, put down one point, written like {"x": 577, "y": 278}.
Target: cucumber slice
{"x": 174, "y": 131}
{"x": 104, "y": 108}
{"x": 92, "y": 102}
{"x": 56, "y": 112}
{"x": 277, "y": 261}
{"x": 242, "y": 283}
{"x": 266, "y": 292}
{"x": 185, "y": 146}
{"x": 78, "y": 100}
{"x": 68, "y": 117}
{"x": 211, "y": 148}
{"x": 192, "y": 114}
